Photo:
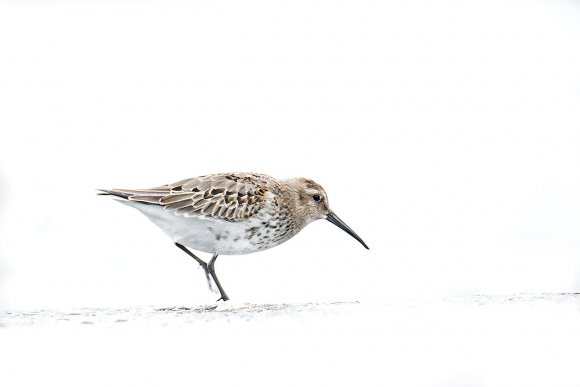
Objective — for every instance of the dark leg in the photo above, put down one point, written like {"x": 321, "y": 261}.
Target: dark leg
{"x": 198, "y": 260}
{"x": 211, "y": 269}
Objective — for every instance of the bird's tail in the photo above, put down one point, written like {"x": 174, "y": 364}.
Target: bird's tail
{"x": 147, "y": 196}
{"x": 113, "y": 192}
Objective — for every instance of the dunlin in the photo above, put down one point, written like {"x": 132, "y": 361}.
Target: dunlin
{"x": 231, "y": 213}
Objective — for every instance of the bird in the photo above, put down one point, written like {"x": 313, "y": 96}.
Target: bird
{"x": 231, "y": 213}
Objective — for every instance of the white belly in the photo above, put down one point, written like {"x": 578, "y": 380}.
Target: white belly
{"x": 214, "y": 236}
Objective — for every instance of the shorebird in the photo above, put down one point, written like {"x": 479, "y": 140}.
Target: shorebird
{"x": 231, "y": 213}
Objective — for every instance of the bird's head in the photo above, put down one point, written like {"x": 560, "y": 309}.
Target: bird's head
{"x": 311, "y": 203}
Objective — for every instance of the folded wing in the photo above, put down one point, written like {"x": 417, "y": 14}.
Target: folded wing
{"x": 231, "y": 196}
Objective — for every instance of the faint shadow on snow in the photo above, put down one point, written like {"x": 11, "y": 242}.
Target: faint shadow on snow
{"x": 168, "y": 315}
{"x": 483, "y": 306}
{"x": 233, "y": 308}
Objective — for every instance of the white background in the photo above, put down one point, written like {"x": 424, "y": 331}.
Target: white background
{"x": 446, "y": 134}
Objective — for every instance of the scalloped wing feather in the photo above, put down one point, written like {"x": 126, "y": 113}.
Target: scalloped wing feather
{"x": 231, "y": 196}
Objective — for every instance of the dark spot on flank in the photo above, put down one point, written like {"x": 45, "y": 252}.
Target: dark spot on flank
{"x": 210, "y": 229}
{"x": 195, "y": 189}
{"x": 236, "y": 239}
{"x": 251, "y": 232}
{"x": 218, "y": 237}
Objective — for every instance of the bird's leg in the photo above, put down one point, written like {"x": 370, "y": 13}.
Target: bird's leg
{"x": 211, "y": 269}
{"x": 201, "y": 263}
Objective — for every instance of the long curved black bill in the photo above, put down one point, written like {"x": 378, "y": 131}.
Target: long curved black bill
{"x": 334, "y": 219}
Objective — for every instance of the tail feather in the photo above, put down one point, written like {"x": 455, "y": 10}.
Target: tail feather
{"x": 109, "y": 192}
{"x": 143, "y": 196}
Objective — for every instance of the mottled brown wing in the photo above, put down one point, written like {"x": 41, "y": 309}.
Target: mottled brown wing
{"x": 232, "y": 196}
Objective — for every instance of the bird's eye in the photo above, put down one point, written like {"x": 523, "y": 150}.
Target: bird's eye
{"x": 316, "y": 198}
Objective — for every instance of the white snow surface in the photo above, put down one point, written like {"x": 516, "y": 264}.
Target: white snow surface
{"x": 515, "y": 340}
